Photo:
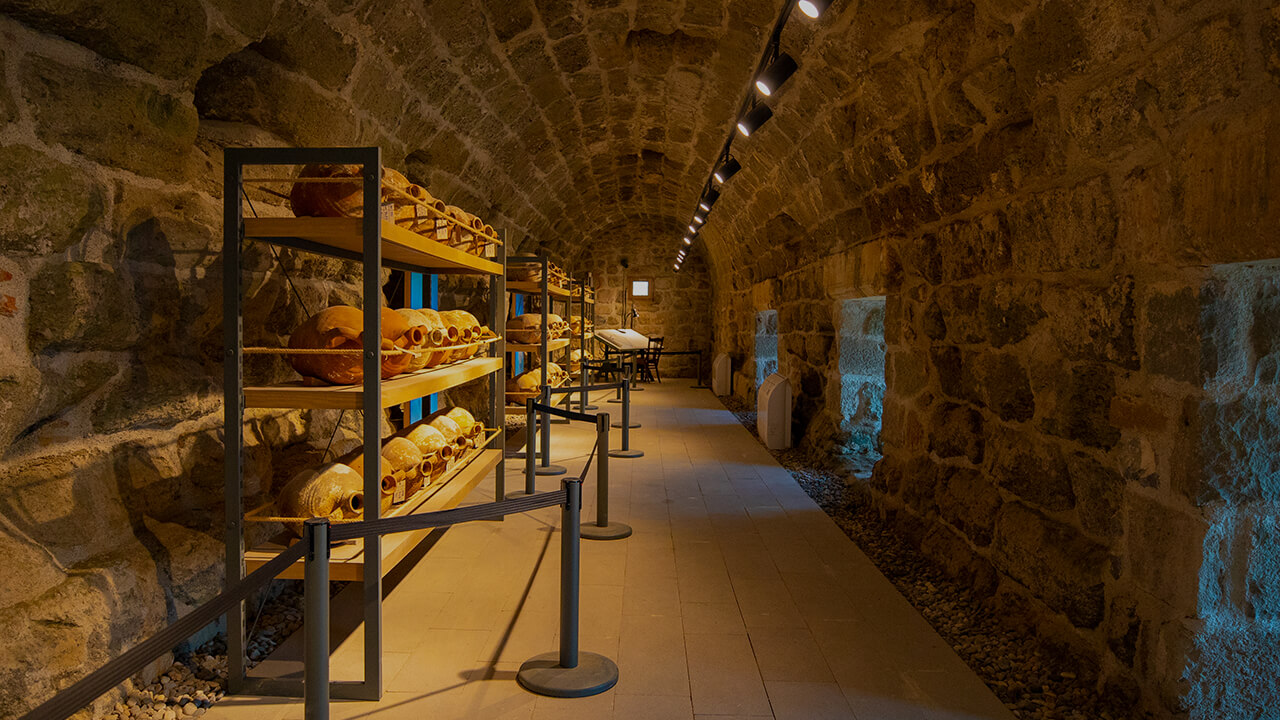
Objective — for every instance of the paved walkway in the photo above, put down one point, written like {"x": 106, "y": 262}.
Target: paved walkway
{"x": 737, "y": 597}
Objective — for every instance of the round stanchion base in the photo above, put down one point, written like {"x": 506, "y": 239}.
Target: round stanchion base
{"x": 612, "y": 531}
{"x": 549, "y": 470}
{"x": 544, "y": 676}
{"x": 517, "y": 494}
{"x": 626, "y": 453}
{"x": 593, "y": 407}
{"x": 636, "y": 388}
{"x": 618, "y": 425}
{"x": 615, "y": 401}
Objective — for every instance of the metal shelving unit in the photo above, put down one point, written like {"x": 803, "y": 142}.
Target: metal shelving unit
{"x": 377, "y": 243}
{"x": 548, "y": 293}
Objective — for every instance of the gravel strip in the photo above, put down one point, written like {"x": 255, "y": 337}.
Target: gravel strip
{"x": 1029, "y": 677}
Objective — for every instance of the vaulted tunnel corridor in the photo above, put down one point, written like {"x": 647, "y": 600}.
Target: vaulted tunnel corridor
{"x": 1016, "y": 259}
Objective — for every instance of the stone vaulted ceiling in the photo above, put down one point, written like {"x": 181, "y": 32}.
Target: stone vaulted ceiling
{"x": 563, "y": 116}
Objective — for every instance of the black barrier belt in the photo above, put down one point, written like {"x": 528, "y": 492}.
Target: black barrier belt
{"x": 586, "y": 468}
{"x": 443, "y": 518}
{"x": 590, "y": 388}
{"x": 134, "y": 659}
{"x": 566, "y": 414}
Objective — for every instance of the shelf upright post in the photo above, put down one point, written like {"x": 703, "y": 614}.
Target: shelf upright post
{"x": 497, "y": 385}
{"x": 233, "y": 404}
{"x": 582, "y": 343}
{"x": 371, "y": 229}
{"x": 546, "y": 355}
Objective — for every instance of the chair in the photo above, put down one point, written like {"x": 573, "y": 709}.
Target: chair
{"x": 649, "y": 360}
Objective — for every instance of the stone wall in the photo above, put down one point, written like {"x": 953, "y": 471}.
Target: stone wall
{"x": 678, "y": 308}
{"x": 1049, "y": 181}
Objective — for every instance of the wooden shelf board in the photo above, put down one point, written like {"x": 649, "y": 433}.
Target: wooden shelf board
{"x": 398, "y": 244}
{"x": 556, "y": 344}
{"x": 395, "y": 391}
{"x": 534, "y": 288}
{"x": 347, "y": 561}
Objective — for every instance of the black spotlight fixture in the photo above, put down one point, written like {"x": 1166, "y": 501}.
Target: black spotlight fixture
{"x": 700, "y": 218}
{"x": 727, "y": 169}
{"x": 709, "y": 199}
{"x": 752, "y": 121}
{"x": 688, "y": 240}
{"x": 814, "y": 8}
{"x": 776, "y": 74}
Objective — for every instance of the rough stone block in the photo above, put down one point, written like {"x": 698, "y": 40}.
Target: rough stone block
{"x": 1054, "y": 561}
{"x": 78, "y": 626}
{"x": 1164, "y": 550}
{"x": 80, "y": 305}
{"x": 8, "y": 110}
{"x": 957, "y": 372}
{"x": 1030, "y": 468}
{"x": 1011, "y": 310}
{"x": 1006, "y": 387}
{"x": 969, "y": 501}
{"x": 117, "y": 122}
{"x": 1062, "y": 229}
{"x": 246, "y": 88}
{"x": 1099, "y": 493}
{"x": 70, "y": 503}
{"x": 1080, "y": 406}
{"x": 45, "y": 206}
{"x": 956, "y": 431}
{"x": 1171, "y": 335}
{"x": 312, "y": 46}
{"x": 1094, "y": 323}
{"x": 166, "y": 37}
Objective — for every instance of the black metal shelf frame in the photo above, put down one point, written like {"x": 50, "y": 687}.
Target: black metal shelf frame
{"x": 370, "y": 161}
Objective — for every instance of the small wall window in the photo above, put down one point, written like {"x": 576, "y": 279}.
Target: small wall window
{"x": 862, "y": 383}
{"x": 766, "y": 345}
{"x": 639, "y": 288}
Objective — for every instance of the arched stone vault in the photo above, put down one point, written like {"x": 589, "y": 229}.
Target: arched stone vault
{"x": 1058, "y": 199}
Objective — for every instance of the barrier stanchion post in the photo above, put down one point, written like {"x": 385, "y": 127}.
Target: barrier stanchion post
{"x": 624, "y": 371}
{"x": 603, "y": 529}
{"x": 625, "y": 394}
{"x": 530, "y": 443}
{"x": 569, "y": 673}
{"x": 545, "y": 467}
{"x": 626, "y": 451}
{"x": 315, "y": 673}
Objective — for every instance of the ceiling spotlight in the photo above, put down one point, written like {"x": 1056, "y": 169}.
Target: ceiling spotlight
{"x": 677, "y": 267}
{"x": 693, "y": 228}
{"x": 709, "y": 199}
{"x": 776, "y": 74}
{"x": 814, "y": 8}
{"x": 688, "y": 240}
{"x": 727, "y": 169}
{"x": 699, "y": 219}
{"x": 752, "y": 121}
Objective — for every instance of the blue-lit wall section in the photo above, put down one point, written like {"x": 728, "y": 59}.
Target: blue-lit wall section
{"x": 424, "y": 291}
{"x": 517, "y": 359}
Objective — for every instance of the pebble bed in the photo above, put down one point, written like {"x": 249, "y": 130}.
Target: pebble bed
{"x": 198, "y": 679}
{"x": 1032, "y": 680}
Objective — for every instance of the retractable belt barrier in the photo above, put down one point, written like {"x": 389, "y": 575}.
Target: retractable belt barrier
{"x": 602, "y": 529}
{"x": 568, "y": 673}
